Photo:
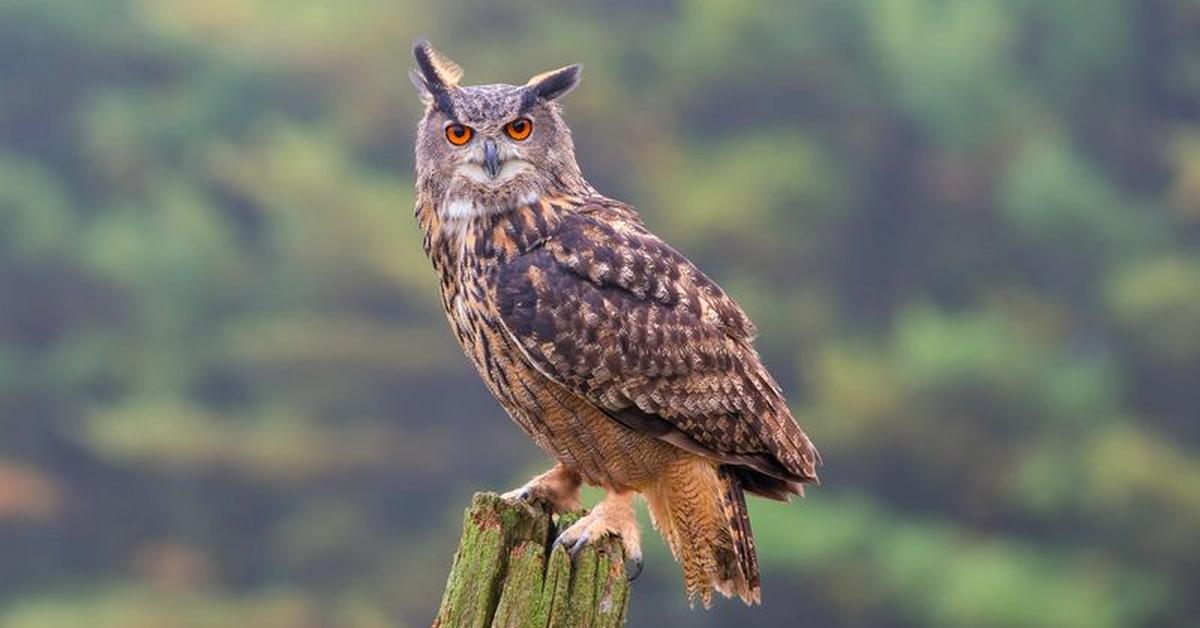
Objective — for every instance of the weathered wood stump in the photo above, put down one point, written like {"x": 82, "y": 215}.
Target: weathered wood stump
{"x": 502, "y": 576}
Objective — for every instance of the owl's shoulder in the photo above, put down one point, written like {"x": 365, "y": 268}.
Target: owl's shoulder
{"x": 599, "y": 247}
{"x": 609, "y": 211}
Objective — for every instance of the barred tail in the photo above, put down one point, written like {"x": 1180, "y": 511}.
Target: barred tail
{"x": 700, "y": 510}
{"x": 738, "y": 518}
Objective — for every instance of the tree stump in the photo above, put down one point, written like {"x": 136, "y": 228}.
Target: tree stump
{"x": 503, "y": 574}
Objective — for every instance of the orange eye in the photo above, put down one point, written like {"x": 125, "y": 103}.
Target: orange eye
{"x": 519, "y": 129}
{"x": 459, "y": 134}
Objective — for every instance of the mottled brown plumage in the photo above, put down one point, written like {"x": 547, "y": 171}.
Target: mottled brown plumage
{"x": 609, "y": 348}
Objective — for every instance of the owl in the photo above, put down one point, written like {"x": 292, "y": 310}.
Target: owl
{"x": 621, "y": 360}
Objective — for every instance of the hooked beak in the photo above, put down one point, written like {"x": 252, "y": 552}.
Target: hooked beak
{"x": 491, "y": 159}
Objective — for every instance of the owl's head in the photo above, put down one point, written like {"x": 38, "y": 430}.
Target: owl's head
{"x": 489, "y": 148}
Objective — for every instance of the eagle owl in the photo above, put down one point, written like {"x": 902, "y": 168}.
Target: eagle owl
{"x": 619, "y": 358}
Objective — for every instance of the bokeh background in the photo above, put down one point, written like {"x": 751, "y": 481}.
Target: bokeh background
{"x": 968, "y": 229}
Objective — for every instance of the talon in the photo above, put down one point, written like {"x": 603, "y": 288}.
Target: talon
{"x": 613, "y": 517}
{"x": 516, "y": 495}
{"x": 633, "y": 567}
{"x": 579, "y": 544}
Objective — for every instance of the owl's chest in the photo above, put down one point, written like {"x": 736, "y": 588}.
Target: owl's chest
{"x": 476, "y": 324}
{"x": 468, "y": 257}
{"x": 466, "y": 297}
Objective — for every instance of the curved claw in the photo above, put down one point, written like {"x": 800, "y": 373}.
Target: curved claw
{"x": 579, "y": 544}
{"x": 523, "y": 495}
{"x": 573, "y": 548}
{"x": 633, "y": 567}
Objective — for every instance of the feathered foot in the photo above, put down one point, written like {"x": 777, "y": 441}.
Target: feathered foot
{"x": 557, "y": 488}
{"x": 614, "y": 515}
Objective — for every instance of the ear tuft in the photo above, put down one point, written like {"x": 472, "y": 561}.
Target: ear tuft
{"x": 419, "y": 83}
{"x": 438, "y": 70}
{"x": 435, "y": 76}
{"x": 555, "y": 83}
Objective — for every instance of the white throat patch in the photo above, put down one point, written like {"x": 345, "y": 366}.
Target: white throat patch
{"x": 463, "y": 208}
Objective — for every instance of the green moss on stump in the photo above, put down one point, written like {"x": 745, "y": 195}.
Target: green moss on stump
{"x": 501, "y": 575}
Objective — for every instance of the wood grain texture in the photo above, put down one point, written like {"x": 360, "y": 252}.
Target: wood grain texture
{"x": 502, "y": 575}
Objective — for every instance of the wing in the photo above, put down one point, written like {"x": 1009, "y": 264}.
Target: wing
{"x": 620, "y": 318}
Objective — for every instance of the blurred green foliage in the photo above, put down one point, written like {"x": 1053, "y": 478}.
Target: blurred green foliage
{"x": 969, "y": 231}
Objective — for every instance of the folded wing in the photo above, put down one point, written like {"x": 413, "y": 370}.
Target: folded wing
{"x": 620, "y": 318}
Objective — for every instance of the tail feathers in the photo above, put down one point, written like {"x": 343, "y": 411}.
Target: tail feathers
{"x": 700, "y": 510}
{"x": 763, "y": 485}
{"x": 738, "y": 519}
